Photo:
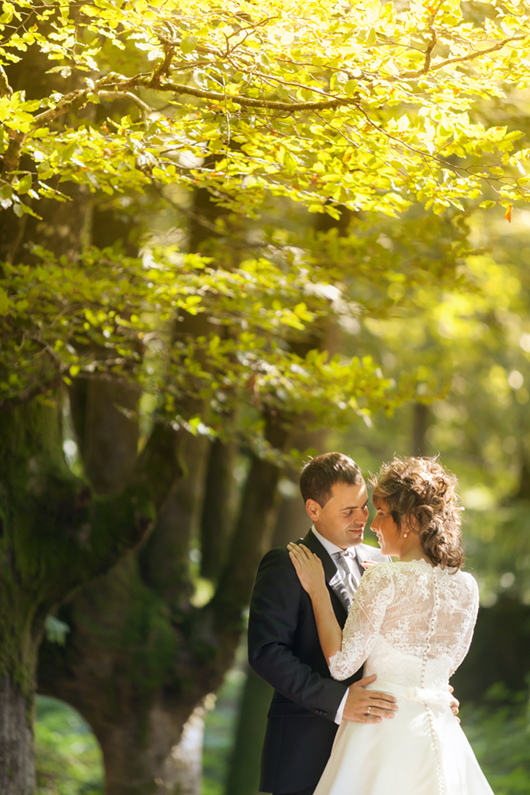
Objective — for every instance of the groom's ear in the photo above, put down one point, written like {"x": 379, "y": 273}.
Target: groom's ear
{"x": 313, "y": 510}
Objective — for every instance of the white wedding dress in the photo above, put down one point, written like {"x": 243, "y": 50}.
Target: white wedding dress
{"x": 411, "y": 623}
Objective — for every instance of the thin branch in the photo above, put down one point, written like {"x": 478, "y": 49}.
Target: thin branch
{"x": 127, "y": 94}
{"x": 432, "y": 43}
{"x": 165, "y": 66}
{"x": 460, "y": 59}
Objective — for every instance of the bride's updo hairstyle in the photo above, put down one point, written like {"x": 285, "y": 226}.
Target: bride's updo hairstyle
{"x": 421, "y": 493}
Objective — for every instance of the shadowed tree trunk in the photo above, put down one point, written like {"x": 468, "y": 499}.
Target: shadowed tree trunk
{"x": 218, "y": 509}
{"x": 17, "y": 766}
{"x": 523, "y": 492}
{"x": 243, "y": 774}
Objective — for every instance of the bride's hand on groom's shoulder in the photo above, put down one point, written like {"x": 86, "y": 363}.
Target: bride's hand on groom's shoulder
{"x": 309, "y": 569}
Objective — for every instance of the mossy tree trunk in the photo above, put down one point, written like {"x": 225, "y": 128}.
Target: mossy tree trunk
{"x": 56, "y": 535}
{"x": 140, "y": 656}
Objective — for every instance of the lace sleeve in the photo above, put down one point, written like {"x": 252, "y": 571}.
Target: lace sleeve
{"x": 472, "y": 609}
{"x": 373, "y": 596}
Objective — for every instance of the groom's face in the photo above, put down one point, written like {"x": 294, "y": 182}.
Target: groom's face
{"x": 343, "y": 518}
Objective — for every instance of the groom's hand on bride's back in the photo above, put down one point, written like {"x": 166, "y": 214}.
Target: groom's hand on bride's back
{"x": 368, "y": 706}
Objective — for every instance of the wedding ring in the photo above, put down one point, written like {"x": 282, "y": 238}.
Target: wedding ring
{"x": 368, "y": 710}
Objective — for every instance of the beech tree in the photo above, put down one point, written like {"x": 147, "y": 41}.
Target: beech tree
{"x": 360, "y": 108}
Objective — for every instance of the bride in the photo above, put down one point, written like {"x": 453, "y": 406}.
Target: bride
{"x": 411, "y": 624}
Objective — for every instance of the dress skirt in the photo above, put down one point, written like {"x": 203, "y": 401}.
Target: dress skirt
{"x": 421, "y": 751}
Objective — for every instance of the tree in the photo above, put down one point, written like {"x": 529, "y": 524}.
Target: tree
{"x": 364, "y": 108}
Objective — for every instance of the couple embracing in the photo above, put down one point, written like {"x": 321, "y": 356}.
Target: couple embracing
{"x": 326, "y": 605}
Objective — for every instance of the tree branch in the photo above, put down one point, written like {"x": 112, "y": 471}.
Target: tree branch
{"x": 432, "y": 43}
{"x": 127, "y": 95}
{"x": 460, "y": 59}
{"x": 248, "y": 102}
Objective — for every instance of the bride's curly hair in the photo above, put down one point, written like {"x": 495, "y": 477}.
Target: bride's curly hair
{"x": 422, "y": 493}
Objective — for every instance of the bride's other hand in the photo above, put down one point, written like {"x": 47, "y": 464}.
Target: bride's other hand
{"x": 309, "y": 568}
{"x": 455, "y": 704}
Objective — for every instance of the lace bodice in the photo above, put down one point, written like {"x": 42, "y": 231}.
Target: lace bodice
{"x": 411, "y": 622}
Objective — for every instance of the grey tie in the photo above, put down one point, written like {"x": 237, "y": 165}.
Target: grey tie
{"x": 349, "y": 582}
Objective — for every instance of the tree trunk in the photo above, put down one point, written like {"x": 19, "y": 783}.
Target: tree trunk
{"x": 47, "y": 547}
{"x": 139, "y": 658}
{"x": 218, "y": 508}
{"x": 243, "y": 774}
{"x": 420, "y": 426}
{"x": 17, "y": 763}
{"x": 177, "y": 771}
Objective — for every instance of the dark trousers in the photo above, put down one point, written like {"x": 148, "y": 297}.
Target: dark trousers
{"x": 303, "y": 792}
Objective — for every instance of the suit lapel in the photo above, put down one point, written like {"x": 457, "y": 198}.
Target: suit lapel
{"x": 330, "y": 572}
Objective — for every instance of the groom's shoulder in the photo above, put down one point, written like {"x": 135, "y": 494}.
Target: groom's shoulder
{"x": 276, "y": 572}
{"x": 277, "y": 556}
{"x": 277, "y": 560}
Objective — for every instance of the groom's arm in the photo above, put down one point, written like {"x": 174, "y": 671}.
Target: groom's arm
{"x": 273, "y": 622}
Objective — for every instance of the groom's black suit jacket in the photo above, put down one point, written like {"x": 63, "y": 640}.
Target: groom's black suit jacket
{"x": 285, "y": 650}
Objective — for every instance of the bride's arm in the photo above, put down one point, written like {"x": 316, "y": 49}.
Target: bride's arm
{"x": 365, "y": 619}
{"x": 311, "y": 574}
{"x": 345, "y": 651}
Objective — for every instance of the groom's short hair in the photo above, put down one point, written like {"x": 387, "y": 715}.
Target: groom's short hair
{"x": 319, "y": 475}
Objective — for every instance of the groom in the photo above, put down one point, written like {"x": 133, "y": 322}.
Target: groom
{"x": 284, "y": 649}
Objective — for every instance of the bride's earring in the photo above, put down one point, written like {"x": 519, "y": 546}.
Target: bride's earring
{"x": 405, "y": 535}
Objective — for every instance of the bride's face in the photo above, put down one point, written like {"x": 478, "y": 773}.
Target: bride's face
{"x": 386, "y": 530}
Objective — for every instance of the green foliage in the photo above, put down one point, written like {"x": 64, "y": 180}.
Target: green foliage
{"x": 107, "y": 313}
{"x": 363, "y": 104}
{"x": 68, "y": 756}
{"x": 499, "y": 732}
{"x": 359, "y": 107}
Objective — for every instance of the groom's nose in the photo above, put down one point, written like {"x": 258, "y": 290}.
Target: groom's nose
{"x": 361, "y": 515}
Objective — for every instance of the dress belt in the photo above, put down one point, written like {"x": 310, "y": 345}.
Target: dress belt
{"x": 422, "y": 695}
